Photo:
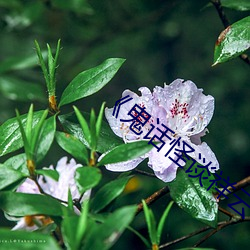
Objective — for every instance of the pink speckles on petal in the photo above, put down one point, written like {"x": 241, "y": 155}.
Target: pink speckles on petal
{"x": 179, "y": 109}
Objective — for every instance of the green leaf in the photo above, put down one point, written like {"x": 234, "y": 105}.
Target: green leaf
{"x": 196, "y": 248}
{"x": 10, "y": 136}
{"x": 18, "y": 162}
{"x": 43, "y": 65}
{"x": 19, "y": 63}
{"x": 87, "y": 177}
{"x": 107, "y": 139}
{"x": 16, "y": 240}
{"x": 143, "y": 239}
{"x": 233, "y": 41}
{"x": 20, "y": 204}
{"x": 82, "y": 223}
{"x": 19, "y": 90}
{"x": 151, "y": 223}
{"x": 78, "y": 6}
{"x": 99, "y": 120}
{"x": 73, "y": 146}
{"x": 90, "y": 81}
{"x": 162, "y": 221}
{"x": 8, "y": 176}
{"x": 46, "y": 137}
{"x": 126, "y": 152}
{"x": 194, "y": 199}
{"x": 53, "y": 174}
{"x": 92, "y": 127}
{"x": 69, "y": 230}
{"x": 74, "y": 228}
{"x": 241, "y": 5}
{"x": 37, "y": 132}
{"x": 108, "y": 193}
{"x": 105, "y": 235}
{"x": 84, "y": 125}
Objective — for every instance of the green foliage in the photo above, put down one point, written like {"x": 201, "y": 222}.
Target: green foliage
{"x": 50, "y": 70}
{"x": 10, "y": 136}
{"x": 31, "y": 135}
{"x": 19, "y": 90}
{"x": 108, "y": 193}
{"x": 233, "y": 41}
{"x": 135, "y": 29}
{"x": 241, "y": 5}
{"x": 19, "y": 63}
{"x": 107, "y": 139}
{"x": 90, "y": 81}
{"x": 30, "y": 204}
{"x": 46, "y": 137}
{"x": 110, "y": 230}
{"x": 12, "y": 174}
{"x": 17, "y": 240}
{"x": 87, "y": 178}
{"x": 193, "y": 198}
{"x": 126, "y": 152}
{"x": 154, "y": 231}
{"x": 53, "y": 174}
{"x": 73, "y": 146}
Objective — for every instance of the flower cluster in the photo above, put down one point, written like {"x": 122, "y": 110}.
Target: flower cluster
{"x": 183, "y": 108}
{"x": 58, "y": 189}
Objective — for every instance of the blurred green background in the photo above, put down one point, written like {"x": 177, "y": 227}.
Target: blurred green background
{"x": 162, "y": 41}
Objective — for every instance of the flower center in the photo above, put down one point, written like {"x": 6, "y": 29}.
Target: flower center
{"x": 180, "y": 110}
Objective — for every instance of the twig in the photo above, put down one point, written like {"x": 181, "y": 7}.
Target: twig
{"x": 226, "y": 23}
{"x": 152, "y": 198}
{"x": 144, "y": 173}
{"x": 204, "y": 229}
{"x": 222, "y": 15}
{"x": 224, "y": 211}
{"x": 220, "y": 227}
{"x": 241, "y": 184}
{"x": 234, "y": 218}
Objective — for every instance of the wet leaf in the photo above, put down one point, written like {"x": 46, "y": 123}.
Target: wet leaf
{"x": 233, "y": 41}
{"x": 87, "y": 177}
{"x": 107, "y": 138}
{"x": 241, "y": 5}
{"x": 90, "y": 81}
{"x": 73, "y": 146}
{"x": 108, "y": 193}
{"x": 126, "y": 152}
{"x": 105, "y": 235}
{"x": 194, "y": 199}
{"x": 10, "y": 135}
{"x": 9, "y": 176}
{"x": 20, "y": 204}
{"x": 46, "y": 138}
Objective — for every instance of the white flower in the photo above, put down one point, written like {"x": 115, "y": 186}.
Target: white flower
{"x": 181, "y": 107}
{"x": 58, "y": 189}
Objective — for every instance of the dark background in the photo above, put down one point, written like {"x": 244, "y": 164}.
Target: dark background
{"x": 161, "y": 41}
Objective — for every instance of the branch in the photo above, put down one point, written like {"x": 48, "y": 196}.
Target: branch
{"x": 241, "y": 184}
{"x": 185, "y": 237}
{"x": 152, "y": 198}
{"x": 220, "y": 227}
{"x": 144, "y": 173}
{"x": 226, "y": 23}
{"x": 234, "y": 219}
